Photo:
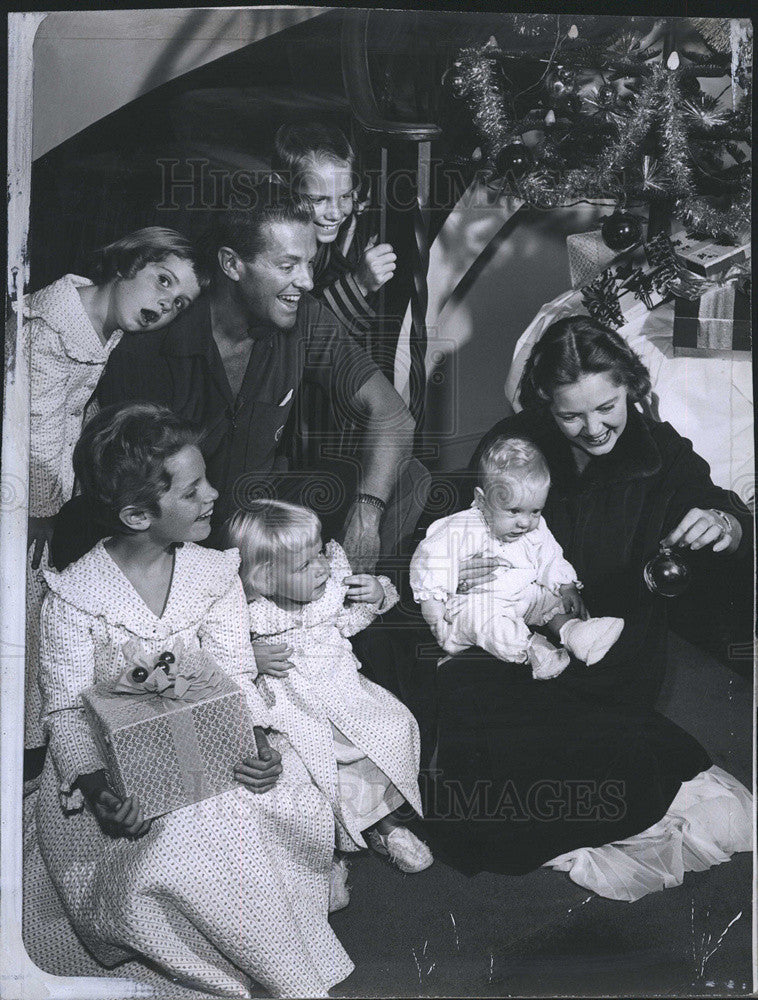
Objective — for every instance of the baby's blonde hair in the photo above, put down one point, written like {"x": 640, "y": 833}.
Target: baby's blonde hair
{"x": 513, "y": 460}
{"x": 266, "y": 532}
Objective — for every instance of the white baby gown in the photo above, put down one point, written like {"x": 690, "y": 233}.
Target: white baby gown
{"x": 324, "y": 691}
{"x": 497, "y": 615}
{"x": 219, "y": 893}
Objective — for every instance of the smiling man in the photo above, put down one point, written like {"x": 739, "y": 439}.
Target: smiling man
{"x": 234, "y": 363}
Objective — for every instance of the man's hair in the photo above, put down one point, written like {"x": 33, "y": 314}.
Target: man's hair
{"x": 574, "y": 347}
{"x": 125, "y": 257}
{"x": 511, "y": 460}
{"x": 299, "y": 144}
{"x": 242, "y": 230}
{"x": 268, "y": 531}
{"x": 120, "y": 458}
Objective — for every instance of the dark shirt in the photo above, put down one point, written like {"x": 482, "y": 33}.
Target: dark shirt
{"x": 334, "y": 280}
{"x": 180, "y": 367}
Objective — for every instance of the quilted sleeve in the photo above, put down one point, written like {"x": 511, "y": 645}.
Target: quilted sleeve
{"x": 67, "y": 667}
{"x": 225, "y": 634}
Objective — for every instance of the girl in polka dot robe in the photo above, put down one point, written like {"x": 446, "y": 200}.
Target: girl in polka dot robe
{"x": 227, "y": 895}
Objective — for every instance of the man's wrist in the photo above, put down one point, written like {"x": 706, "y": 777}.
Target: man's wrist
{"x": 370, "y": 506}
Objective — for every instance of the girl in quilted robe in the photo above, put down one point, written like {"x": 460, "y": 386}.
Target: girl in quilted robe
{"x": 360, "y": 744}
{"x": 230, "y": 891}
{"x": 142, "y": 282}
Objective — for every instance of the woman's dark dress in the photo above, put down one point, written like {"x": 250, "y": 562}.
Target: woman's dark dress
{"x": 526, "y": 770}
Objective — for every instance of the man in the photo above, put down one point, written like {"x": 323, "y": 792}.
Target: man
{"x": 235, "y": 361}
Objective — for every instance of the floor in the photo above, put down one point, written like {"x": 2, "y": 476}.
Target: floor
{"x": 440, "y": 933}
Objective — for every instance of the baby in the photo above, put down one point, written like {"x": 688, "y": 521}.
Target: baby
{"x": 360, "y": 744}
{"x": 534, "y": 585}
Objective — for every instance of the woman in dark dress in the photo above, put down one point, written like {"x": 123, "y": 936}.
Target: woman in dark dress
{"x": 526, "y": 770}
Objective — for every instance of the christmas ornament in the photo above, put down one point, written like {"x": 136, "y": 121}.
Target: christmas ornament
{"x": 673, "y": 60}
{"x": 667, "y": 574}
{"x": 512, "y": 160}
{"x": 570, "y": 104}
{"x": 573, "y": 32}
{"x": 139, "y": 674}
{"x": 606, "y": 95}
{"x": 621, "y": 231}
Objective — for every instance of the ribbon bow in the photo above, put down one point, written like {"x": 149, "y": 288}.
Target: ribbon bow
{"x": 191, "y": 675}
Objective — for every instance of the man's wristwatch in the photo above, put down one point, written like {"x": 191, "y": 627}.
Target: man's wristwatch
{"x": 372, "y": 501}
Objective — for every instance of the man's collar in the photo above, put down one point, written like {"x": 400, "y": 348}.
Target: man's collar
{"x": 190, "y": 333}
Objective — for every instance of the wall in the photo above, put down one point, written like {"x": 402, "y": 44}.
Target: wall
{"x": 101, "y": 60}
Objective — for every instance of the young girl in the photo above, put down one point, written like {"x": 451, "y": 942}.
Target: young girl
{"x": 533, "y": 585}
{"x": 220, "y": 894}
{"x": 360, "y": 744}
{"x": 141, "y": 283}
{"x": 317, "y": 161}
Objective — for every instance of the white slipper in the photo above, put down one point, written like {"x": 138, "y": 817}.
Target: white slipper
{"x": 590, "y": 641}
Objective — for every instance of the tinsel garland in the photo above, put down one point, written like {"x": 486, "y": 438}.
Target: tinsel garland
{"x": 663, "y": 143}
{"x": 475, "y": 80}
{"x": 701, "y": 218}
{"x": 715, "y": 30}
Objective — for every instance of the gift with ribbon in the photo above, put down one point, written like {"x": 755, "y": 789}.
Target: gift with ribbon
{"x": 712, "y": 316}
{"x": 170, "y": 728}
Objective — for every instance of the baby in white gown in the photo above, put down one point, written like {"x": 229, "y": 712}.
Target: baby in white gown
{"x": 533, "y": 586}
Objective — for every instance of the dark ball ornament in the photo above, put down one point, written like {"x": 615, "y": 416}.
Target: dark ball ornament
{"x": 667, "y": 574}
{"x": 139, "y": 674}
{"x": 512, "y": 160}
{"x": 566, "y": 76}
{"x": 621, "y": 231}
{"x": 606, "y": 96}
{"x": 168, "y": 657}
{"x": 570, "y": 104}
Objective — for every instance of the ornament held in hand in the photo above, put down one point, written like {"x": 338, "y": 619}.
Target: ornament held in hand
{"x": 621, "y": 231}
{"x": 667, "y": 574}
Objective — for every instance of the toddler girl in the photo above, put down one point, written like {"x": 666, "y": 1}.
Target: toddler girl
{"x": 533, "y": 585}
{"x": 227, "y": 892}
{"x": 360, "y": 744}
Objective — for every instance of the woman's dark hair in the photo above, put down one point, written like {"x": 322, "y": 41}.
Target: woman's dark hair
{"x": 125, "y": 257}
{"x": 120, "y": 458}
{"x": 576, "y": 346}
{"x": 242, "y": 229}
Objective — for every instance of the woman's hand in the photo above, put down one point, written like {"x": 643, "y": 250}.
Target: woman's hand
{"x": 39, "y": 534}
{"x": 260, "y": 774}
{"x": 119, "y": 817}
{"x": 701, "y": 529}
{"x": 363, "y": 588}
{"x": 477, "y": 570}
{"x": 572, "y": 601}
{"x": 273, "y": 660}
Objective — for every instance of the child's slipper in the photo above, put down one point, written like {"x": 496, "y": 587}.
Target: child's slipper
{"x": 402, "y": 848}
{"x": 591, "y": 640}
{"x": 339, "y": 894}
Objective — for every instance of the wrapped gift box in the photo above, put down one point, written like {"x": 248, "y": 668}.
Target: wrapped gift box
{"x": 714, "y": 325}
{"x": 171, "y": 752}
{"x": 706, "y": 258}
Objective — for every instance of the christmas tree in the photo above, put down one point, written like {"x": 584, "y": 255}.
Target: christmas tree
{"x": 628, "y": 114}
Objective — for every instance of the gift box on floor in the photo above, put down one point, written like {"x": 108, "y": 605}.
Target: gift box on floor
{"x": 714, "y": 324}
{"x": 172, "y": 734}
